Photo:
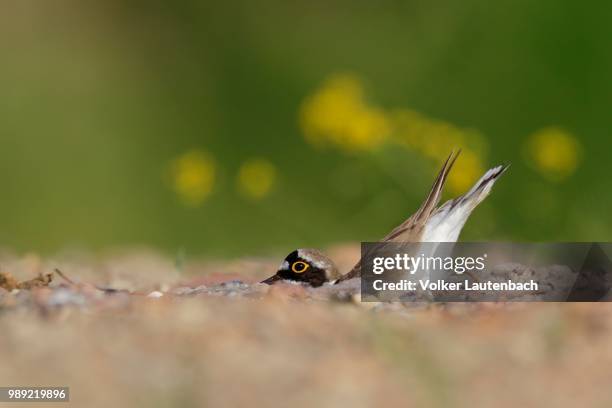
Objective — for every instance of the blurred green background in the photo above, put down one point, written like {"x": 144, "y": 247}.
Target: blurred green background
{"x": 234, "y": 128}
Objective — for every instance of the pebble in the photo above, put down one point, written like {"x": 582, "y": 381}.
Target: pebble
{"x": 64, "y": 297}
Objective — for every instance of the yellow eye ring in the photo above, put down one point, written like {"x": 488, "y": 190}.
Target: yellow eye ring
{"x": 299, "y": 267}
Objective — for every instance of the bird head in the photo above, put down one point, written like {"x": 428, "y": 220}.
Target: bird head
{"x": 305, "y": 265}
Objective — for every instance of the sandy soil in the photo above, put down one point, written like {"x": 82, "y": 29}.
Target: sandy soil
{"x": 204, "y": 343}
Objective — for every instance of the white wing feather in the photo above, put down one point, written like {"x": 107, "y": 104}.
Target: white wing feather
{"x": 446, "y": 223}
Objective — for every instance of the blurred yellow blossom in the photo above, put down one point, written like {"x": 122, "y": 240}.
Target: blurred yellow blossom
{"x": 408, "y": 127}
{"x": 337, "y": 113}
{"x": 433, "y": 137}
{"x": 256, "y": 178}
{"x": 554, "y": 152}
{"x": 193, "y": 176}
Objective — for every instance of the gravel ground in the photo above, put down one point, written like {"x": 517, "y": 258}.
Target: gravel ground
{"x": 206, "y": 334}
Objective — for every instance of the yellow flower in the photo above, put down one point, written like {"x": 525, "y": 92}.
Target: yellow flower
{"x": 338, "y": 114}
{"x": 256, "y": 178}
{"x": 192, "y": 177}
{"x": 431, "y": 137}
{"x": 554, "y": 152}
{"x": 409, "y": 127}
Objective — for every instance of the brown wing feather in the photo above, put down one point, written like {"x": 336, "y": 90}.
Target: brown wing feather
{"x": 412, "y": 229}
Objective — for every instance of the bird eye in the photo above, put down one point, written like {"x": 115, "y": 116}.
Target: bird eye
{"x": 299, "y": 267}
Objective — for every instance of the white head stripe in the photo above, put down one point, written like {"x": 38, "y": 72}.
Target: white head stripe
{"x": 316, "y": 262}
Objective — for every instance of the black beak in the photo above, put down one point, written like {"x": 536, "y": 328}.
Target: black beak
{"x": 271, "y": 280}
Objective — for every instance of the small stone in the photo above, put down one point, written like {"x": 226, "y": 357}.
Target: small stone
{"x": 63, "y": 297}
{"x": 183, "y": 291}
